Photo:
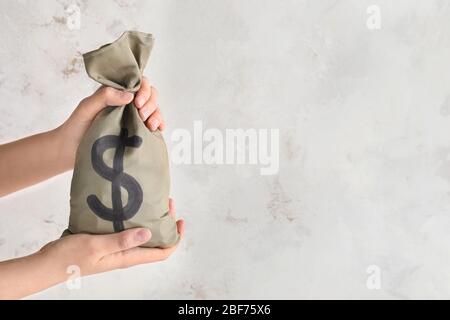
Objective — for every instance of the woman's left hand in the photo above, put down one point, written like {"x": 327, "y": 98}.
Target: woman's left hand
{"x": 72, "y": 131}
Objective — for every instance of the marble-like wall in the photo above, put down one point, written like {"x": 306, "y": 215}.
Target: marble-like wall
{"x": 364, "y": 177}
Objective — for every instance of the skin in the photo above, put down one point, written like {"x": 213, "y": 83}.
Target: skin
{"x": 20, "y": 167}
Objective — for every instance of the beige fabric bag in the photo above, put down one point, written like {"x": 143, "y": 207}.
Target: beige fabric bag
{"x": 121, "y": 176}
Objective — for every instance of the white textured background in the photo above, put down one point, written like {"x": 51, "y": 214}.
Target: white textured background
{"x": 364, "y": 120}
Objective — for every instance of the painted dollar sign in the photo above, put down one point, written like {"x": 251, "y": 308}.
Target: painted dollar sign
{"x": 118, "y": 213}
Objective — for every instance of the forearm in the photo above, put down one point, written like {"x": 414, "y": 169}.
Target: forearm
{"x": 33, "y": 159}
{"x": 27, "y": 275}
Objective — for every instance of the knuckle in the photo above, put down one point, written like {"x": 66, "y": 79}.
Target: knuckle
{"x": 107, "y": 91}
{"x": 144, "y": 93}
{"x": 124, "y": 242}
{"x": 152, "y": 107}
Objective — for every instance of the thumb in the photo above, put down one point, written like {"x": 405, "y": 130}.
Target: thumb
{"x": 103, "y": 97}
{"x": 115, "y": 242}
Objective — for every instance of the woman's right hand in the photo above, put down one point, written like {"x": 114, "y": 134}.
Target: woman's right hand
{"x": 89, "y": 254}
{"x": 100, "y": 253}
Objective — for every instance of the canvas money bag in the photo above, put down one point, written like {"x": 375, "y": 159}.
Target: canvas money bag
{"x": 121, "y": 175}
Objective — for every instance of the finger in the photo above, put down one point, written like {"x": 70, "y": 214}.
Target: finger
{"x": 147, "y": 110}
{"x": 106, "y": 96}
{"x": 171, "y": 208}
{"x": 143, "y": 94}
{"x": 147, "y": 255}
{"x": 116, "y": 242}
{"x": 154, "y": 94}
{"x": 136, "y": 256}
{"x": 162, "y": 125}
{"x": 180, "y": 228}
{"x": 150, "y": 105}
{"x": 154, "y": 120}
{"x": 132, "y": 257}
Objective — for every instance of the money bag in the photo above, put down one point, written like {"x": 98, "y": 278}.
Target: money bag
{"x": 121, "y": 175}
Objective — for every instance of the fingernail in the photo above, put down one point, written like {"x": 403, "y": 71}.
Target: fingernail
{"x": 145, "y": 113}
{"x": 143, "y": 235}
{"x": 154, "y": 124}
{"x": 127, "y": 95}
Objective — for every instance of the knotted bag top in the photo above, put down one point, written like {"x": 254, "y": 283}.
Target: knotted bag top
{"x": 121, "y": 63}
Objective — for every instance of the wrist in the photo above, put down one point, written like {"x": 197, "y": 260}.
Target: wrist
{"x": 51, "y": 268}
{"x": 25, "y": 276}
{"x": 66, "y": 144}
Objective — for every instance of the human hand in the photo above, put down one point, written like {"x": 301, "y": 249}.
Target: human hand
{"x": 91, "y": 253}
{"x": 57, "y": 148}
{"x": 100, "y": 253}
{"x": 72, "y": 131}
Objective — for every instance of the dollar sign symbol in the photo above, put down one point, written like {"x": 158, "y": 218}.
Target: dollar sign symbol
{"x": 118, "y": 213}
